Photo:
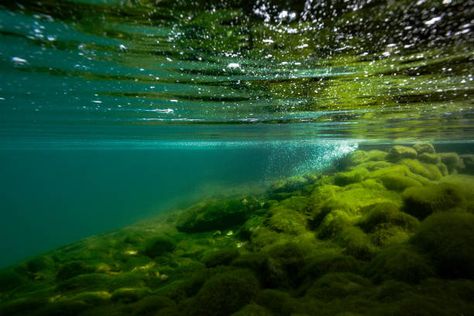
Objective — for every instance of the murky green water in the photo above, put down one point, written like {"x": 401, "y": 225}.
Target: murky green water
{"x": 114, "y": 111}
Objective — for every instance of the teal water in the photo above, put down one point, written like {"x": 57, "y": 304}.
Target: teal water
{"x": 112, "y": 111}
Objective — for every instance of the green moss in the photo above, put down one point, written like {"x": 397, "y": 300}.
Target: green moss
{"x": 319, "y": 265}
{"x": 250, "y": 226}
{"x": 278, "y": 302}
{"x": 217, "y": 214}
{"x": 72, "y": 269}
{"x": 151, "y": 305}
{"x": 360, "y": 156}
{"x": 287, "y": 220}
{"x": 253, "y": 310}
{"x": 225, "y": 293}
{"x": 386, "y": 213}
{"x": 338, "y": 286}
{"x": 468, "y": 162}
{"x": 128, "y": 294}
{"x": 92, "y": 297}
{"x": 424, "y": 148}
{"x": 297, "y": 203}
{"x": 422, "y": 201}
{"x": 220, "y": 257}
{"x": 388, "y": 234}
{"x": 400, "y": 263}
{"x": 334, "y": 222}
{"x": 429, "y": 158}
{"x": 353, "y": 176}
{"x": 10, "y": 280}
{"x": 356, "y": 243}
{"x": 397, "y": 182}
{"x": 158, "y": 246}
{"x": 85, "y": 282}
{"x": 397, "y": 153}
{"x": 428, "y": 171}
{"x": 63, "y": 308}
{"x": 448, "y": 239}
{"x": 452, "y": 161}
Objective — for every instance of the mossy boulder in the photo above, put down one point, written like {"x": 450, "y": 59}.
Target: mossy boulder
{"x": 452, "y": 161}
{"x": 72, "y": 269}
{"x": 429, "y": 158}
{"x": 358, "y": 157}
{"x": 225, "y": 293}
{"x": 424, "y": 148}
{"x": 352, "y": 176}
{"x": 448, "y": 239}
{"x": 338, "y": 285}
{"x": 152, "y": 305}
{"x": 397, "y": 153}
{"x": 400, "y": 263}
{"x": 217, "y": 214}
{"x": 319, "y": 265}
{"x": 9, "y": 280}
{"x": 428, "y": 171}
{"x": 468, "y": 161}
{"x": 278, "y": 302}
{"x": 388, "y": 234}
{"x": 356, "y": 243}
{"x": 253, "y": 310}
{"x": 158, "y": 246}
{"x": 386, "y": 213}
{"x": 423, "y": 201}
{"x": 220, "y": 257}
{"x": 287, "y": 220}
{"x": 128, "y": 295}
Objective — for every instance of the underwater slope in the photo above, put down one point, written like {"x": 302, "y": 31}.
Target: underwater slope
{"x": 382, "y": 233}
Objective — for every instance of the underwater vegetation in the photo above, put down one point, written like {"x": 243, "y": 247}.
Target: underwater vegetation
{"x": 380, "y": 233}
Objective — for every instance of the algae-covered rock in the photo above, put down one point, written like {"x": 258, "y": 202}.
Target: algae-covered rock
{"x": 358, "y": 157}
{"x": 352, "y": 176}
{"x": 429, "y": 158}
{"x": 278, "y": 302}
{"x": 72, "y": 269}
{"x": 448, "y": 239}
{"x": 338, "y": 285}
{"x": 387, "y": 213}
{"x": 356, "y": 243}
{"x": 220, "y": 257}
{"x": 287, "y": 220}
{"x": 158, "y": 246}
{"x": 152, "y": 305}
{"x": 225, "y": 293}
{"x": 319, "y": 265}
{"x": 387, "y": 234}
{"x": 452, "y": 161}
{"x": 468, "y": 162}
{"x": 253, "y": 310}
{"x": 128, "y": 295}
{"x": 422, "y": 201}
{"x": 400, "y": 263}
{"x": 397, "y": 153}
{"x": 9, "y": 280}
{"x": 429, "y": 171}
{"x": 424, "y": 148}
{"x": 217, "y": 215}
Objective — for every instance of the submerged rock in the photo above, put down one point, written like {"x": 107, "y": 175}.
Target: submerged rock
{"x": 397, "y": 153}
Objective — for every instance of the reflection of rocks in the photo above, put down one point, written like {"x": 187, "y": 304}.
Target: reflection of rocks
{"x": 380, "y": 227}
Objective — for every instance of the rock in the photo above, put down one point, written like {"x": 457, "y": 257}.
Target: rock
{"x": 448, "y": 239}
{"x": 217, "y": 215}
{"x": 423, "y": 201}
{"x": 422, "y": 148}
{"x": 128, "y": 295}
{"x": 287, "y": 220}
{"x": 397, "y": 153}
{"x": 468, "y": 161}
{"x": 224, "y": 293}
{"x": 158, "y": 246}
{"x": 355, "y": 175}
{"x": 452, "y": 161}
{"x": 387, "y": 213}
{"x": 220, "y": 257}
{"x": 429, "y": 158}
{"x": 400, "y": 263}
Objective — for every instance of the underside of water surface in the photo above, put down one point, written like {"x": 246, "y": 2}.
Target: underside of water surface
{"x": 239, "y": 157}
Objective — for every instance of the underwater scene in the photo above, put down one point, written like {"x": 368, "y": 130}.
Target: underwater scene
{"x": 236, "y": 157}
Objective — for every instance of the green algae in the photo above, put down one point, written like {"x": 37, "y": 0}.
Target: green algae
{"x": 371, "y": 237}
